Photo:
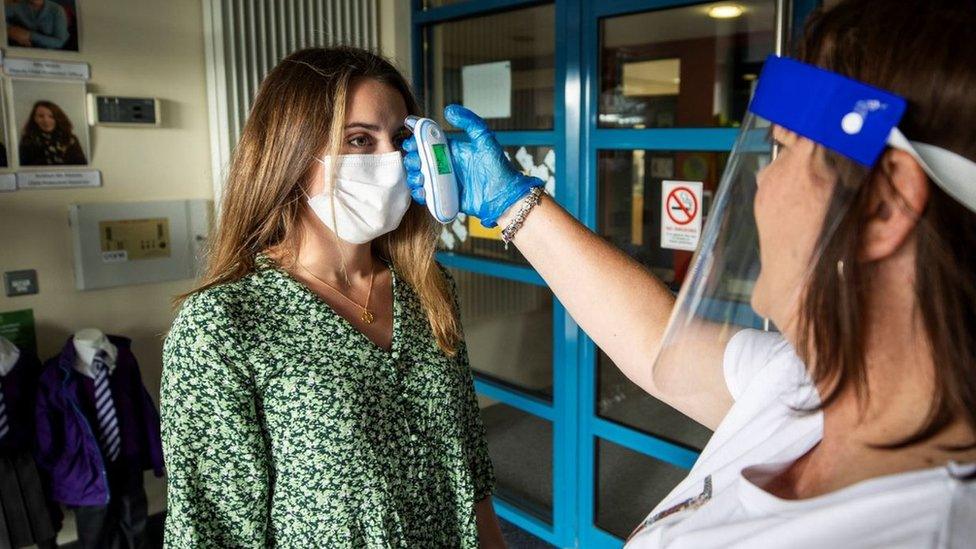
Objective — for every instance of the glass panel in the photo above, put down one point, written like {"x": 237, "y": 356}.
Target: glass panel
{"x": 508, "y": 329}
{"x": 629, "y": 485}
{"x": 524, "y": 38}
{"x": 682, "y": 67}
{"x": 465, "y": 234}
{"x": 520, "y": 445}
{"x": 620, "y": 400}
{"x": 630, "y": 185}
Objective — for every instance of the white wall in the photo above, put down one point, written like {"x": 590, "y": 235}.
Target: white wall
{"x": 135, "y": 48}
{"x": 395, "y": 32}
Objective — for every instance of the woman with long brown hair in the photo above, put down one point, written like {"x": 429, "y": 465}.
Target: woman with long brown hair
{"x": 316, "y": 389}
{"x": 848, "y": 417}
{"x": 48, "y": 138}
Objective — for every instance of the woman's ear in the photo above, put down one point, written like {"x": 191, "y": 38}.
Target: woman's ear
{"x": 900, "y": 191}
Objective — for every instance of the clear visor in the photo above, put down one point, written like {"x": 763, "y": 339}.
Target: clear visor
{"x": 749, "y": 274}
{"x": 719, "y": 296}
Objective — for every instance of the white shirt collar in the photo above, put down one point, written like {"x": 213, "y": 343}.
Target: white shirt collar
{"x": 86, "y": 350}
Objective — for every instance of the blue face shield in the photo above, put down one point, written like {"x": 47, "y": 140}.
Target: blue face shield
{"x": 854, "y": 119}
{"x": 720, "y": 295}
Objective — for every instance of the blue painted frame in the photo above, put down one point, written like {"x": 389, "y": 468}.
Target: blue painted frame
{"x": 576, "y": 139}
{"x": 564, "y": 138}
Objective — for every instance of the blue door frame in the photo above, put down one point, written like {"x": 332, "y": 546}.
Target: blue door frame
{"x": 576, "y": 140}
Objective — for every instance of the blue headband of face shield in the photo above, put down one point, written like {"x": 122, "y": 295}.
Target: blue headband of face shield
{"x": 853, "y": 119}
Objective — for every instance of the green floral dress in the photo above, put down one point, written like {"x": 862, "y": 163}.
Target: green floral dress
{"x": 285, "y": 426}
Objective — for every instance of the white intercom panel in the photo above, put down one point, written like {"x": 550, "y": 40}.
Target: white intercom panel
{"x": 112, "y": 110}
{"x": 126, "y": 243}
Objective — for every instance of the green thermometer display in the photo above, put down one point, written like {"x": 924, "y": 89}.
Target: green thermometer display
{"x": 442, "y": 158}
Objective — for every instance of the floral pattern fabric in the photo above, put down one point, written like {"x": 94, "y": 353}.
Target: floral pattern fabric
{"x": 285, "y": 426}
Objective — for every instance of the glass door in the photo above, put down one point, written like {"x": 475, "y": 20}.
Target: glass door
{"x": 605, "y": 100}
{"x": 667, "y": 84}
{"x": 507, "y": 61}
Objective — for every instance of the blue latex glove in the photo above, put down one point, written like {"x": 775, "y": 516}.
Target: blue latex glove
{"x": 488, "y": 182}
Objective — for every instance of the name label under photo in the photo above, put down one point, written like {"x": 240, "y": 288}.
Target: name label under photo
{"x": 59, "y": 179}
{"x": 46, "y": 68}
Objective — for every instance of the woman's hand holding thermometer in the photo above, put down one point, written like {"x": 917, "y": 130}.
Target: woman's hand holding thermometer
{"x": 487, "y": 182}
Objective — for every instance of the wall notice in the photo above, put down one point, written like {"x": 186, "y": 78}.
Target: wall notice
{"x": 486, "y": 89}
{"x": 681, "y": 214}
{"x": 134, "y": 239}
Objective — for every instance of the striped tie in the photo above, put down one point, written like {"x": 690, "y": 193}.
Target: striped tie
{"x": 108, "y": 423}
{"x": 4, "y": 426}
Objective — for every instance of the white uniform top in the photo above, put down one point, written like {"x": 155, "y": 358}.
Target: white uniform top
{"x": 720, "y": 505}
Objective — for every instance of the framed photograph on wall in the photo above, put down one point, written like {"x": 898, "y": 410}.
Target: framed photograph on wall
{"x": 42, "y": 24}
{"x": 51, "y": 121}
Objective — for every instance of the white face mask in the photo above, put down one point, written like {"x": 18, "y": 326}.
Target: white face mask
{"x": 371, "y": 196}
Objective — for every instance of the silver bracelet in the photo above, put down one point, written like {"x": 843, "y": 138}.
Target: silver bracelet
{"x": 530, "y": 201}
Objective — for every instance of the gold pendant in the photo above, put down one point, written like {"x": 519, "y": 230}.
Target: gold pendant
{"x": 367, "y": 317}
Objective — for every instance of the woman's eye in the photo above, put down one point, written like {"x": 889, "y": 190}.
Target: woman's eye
{"x": 781, "y": 137}
{"x": 359, "y": 141}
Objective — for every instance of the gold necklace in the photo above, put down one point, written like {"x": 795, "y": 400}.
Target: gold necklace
{"x": 367, "y": 317}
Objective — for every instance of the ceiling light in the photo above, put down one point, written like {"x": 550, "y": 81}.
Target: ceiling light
{"x": 725, "y": 11}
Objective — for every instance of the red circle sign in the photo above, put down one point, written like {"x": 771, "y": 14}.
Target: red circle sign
{"x": 682, "y": 205}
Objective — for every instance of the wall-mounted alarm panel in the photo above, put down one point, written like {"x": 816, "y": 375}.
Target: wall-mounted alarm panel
{"x": 125, "y": 243}
{"x": 110, "y": 110}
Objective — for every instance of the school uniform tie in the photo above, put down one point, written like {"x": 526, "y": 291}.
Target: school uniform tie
{"x": 108, "y": 422}
{"x": 4, "y": 425}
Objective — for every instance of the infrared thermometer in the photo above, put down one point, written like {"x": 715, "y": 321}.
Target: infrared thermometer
{"x": 440, "y": 187}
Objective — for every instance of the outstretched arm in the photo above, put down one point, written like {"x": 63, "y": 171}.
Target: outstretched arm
{"x": 614, "y": 299}
{"x": 624, "y": 309}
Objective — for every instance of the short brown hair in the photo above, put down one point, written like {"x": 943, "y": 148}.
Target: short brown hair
{"x": 920, "y": 50}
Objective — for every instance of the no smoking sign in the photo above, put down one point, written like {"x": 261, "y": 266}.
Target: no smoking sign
{"x": 681, "y": 214}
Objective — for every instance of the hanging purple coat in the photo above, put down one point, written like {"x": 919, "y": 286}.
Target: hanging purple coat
{"x": 67, "y": 445}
